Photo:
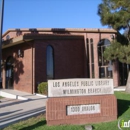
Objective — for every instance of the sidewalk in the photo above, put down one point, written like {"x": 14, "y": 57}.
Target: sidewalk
{"x": 14, "y": 110}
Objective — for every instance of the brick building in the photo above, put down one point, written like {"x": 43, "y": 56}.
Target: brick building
{"x": 31, "y": 56}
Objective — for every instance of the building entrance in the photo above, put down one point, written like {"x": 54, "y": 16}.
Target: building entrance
{"x": 9, "y": 73}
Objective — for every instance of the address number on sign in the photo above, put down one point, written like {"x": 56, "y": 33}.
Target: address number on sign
{"x": 83, "y": 109}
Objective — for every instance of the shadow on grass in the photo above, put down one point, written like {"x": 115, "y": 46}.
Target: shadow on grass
{"x": 123, "y": 106}
{"x": 38, "y": 124}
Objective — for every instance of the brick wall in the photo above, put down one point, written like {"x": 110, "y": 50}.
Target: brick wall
{"x": 69, "y": 58}
{"x": 96, "y": 38}
{"x": 22, "y": 67}
{"x": 56, "y": 110}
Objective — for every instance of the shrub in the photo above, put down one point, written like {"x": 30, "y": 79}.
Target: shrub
{"x": 43, "y": 88}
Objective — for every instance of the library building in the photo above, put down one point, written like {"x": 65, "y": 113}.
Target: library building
{"x": 35, "y": 55}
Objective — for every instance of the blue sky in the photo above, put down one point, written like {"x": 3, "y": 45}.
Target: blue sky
{"x": 51, "y": 14}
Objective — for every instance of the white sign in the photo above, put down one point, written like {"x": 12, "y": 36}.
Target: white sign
{"x": 83, "y": 109}
{"x": 79, "y": 87}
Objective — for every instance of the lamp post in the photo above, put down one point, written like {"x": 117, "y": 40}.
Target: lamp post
{"x": 1, "y": 28}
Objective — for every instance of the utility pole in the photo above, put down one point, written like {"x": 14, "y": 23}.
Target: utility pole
{"x": 1, "y": 29}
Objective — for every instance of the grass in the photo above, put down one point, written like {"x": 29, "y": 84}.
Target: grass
{"x": 1, "y": 97}
{"x": 39, "y": 123}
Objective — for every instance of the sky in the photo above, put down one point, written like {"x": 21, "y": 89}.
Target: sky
{"x": 51, "y": 14}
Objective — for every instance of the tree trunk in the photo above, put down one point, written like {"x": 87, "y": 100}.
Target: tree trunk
{"x": 128, "y": 83}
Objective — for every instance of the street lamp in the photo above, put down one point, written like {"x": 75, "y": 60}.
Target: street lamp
{"x": 1, "y": 28}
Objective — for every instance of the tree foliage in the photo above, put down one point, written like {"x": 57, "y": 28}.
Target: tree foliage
{"x": 118, "y": 51}
{"x": 116, "y": 14}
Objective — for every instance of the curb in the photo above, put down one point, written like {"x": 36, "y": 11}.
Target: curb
{"x": 122, "y": 88}
{"x": 119, "y": 89}
{"x": 12, "y": 96}
{"x": 37, "y": 94}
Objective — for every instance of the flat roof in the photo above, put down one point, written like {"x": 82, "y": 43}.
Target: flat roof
{"x": 29, "y": 34}
{"x": 78, "y": 30}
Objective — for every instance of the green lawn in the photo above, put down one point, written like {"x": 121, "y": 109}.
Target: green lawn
{"x": 39, "y": 123}
{"x": 1, "y": 97}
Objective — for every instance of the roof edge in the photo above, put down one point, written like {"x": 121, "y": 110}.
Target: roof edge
{"x": 62, "y": 29}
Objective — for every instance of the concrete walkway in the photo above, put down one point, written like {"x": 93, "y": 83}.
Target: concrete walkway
{"x": 23, "y": 106}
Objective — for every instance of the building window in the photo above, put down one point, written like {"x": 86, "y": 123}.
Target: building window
{"x": 88, "y": 68}
{"x": 50, "y": 62}
{"x": 92, "y": 58}
{"x": 105, "y": 67}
